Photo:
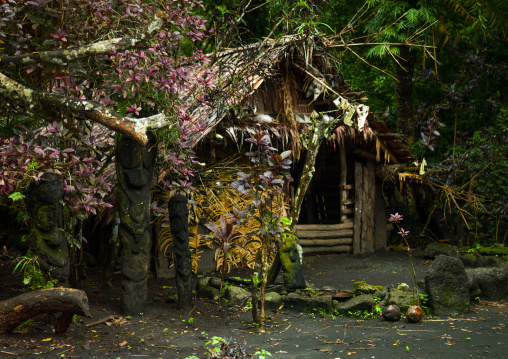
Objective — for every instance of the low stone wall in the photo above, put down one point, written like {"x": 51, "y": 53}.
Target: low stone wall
{"x": 448, "y": 288}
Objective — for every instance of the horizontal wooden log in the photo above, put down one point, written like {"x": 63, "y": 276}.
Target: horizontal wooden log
{"x": 325, "y": 234}
{"x": 348, "y": 211}
{"x": 348, "y": 202}
{"x": 325, "y": 242}
{"x": 365, "y": 154}
{"x": 334, "y": 249}
{"x": 17, "y": 310}
{"x": 347, "y": 187}
{"x": 323, "y": 227}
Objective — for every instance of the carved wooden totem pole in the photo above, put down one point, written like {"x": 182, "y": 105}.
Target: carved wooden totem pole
{"x": 46, "y": 217}
{"x": 134, "y": 166}
{"x": 179, "y": 222}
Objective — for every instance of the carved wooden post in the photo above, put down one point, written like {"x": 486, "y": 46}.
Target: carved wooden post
{"x": 134, "y": 166}
{"x": 179, "y": 222}
{"x": 46, "y": 217}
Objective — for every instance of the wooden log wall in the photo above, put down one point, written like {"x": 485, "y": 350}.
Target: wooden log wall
{"x": 365, "y": 184}
{"x": 325, "y": 238}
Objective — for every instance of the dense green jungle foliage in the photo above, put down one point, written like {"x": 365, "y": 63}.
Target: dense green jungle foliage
{"x": 459, "y": 120}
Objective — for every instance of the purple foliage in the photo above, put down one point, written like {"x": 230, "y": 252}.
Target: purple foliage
{"x": 29, "y": 154}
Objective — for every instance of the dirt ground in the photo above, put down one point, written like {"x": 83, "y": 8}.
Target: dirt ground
{"x": 163, "y": 331}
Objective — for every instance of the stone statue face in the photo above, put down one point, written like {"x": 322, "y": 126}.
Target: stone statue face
{"x": 136, "y": 162}
{"x": 45, "y": 218}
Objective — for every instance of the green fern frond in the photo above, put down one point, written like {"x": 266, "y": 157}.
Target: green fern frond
{"x": 412, "y": 16}
{"x": 485, "y": 15}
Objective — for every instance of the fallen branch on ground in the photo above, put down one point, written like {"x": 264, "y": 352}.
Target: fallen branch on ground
{"x": 68, "y": 301}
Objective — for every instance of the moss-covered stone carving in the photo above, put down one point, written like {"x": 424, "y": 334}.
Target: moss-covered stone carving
{"x": 291, "y": 262}
{"x": 179, "y": 222}
{"x": 134, "y": 167}
{"x": 47, "y": 240}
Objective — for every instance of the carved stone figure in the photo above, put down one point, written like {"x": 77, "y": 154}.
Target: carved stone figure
{"x": 46, "y": 217}
{"x": 134, "y": 166}
{"x": 291, "y": 261}
{"x": 179, "y": 222}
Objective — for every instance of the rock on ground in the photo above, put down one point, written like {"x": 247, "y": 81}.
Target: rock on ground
{"x": 447, "y": 286}
{"x": 401, "y": 299}
{"x": 361, "y": 302}
{"x": 474, "y": 288}
{"x": 493, "y": 282}
{"x": 308, "y": 304}
{"x": 273, "y": 301}
{"x": 236, "y": 295}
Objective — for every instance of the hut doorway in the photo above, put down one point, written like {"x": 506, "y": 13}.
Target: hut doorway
{"x": 326, "y": 223}
{"x": 329, "y": 199}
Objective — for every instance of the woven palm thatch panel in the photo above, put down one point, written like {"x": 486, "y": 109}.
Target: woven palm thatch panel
{"x": 214, "y": 197}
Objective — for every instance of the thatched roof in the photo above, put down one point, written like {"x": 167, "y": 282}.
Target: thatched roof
{"x": 243, "y": 71}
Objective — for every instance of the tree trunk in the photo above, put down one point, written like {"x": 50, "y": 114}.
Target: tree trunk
{"x": 293, "y": 277}
{"x": 17, "y": 310}
{"x": 404, "y": 89}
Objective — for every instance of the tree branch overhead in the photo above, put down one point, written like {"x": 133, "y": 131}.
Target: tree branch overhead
{"x": 65, "y": 56}
{"x": 51, "y": 103}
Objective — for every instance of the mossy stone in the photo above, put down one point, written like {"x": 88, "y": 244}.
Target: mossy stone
{"x": 291, "y": 264}
{"x": 363, "y": 287}
{"x": 433, "y": 250}
{"x": 495, "y": 249}
{"x": 469, "y": 259}
{"x": 208, "y": 292}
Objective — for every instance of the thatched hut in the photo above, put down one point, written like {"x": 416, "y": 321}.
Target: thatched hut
{"x": 284, "y": 88}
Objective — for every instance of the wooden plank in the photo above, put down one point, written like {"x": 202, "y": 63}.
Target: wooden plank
{"x": 325, "y": 234}
{"x": 348, "y": 202}
{"x": 358, "y": 209}
{"x": 370, "y": 200}
{"x": 380, "y": 232}
{"x": 342, "y": 181}
{"x": 325, "y": 242}
{"x": 323, "y": 227}
{"x": 348, "y": 211}
{"x": 334, "y": 249}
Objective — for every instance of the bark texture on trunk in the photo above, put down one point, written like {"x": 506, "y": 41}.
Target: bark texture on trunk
{"x": 404, "y": 89}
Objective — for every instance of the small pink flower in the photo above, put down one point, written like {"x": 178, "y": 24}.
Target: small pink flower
{"x": 395, "y": 218}
{"x": 403, "y": 233}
